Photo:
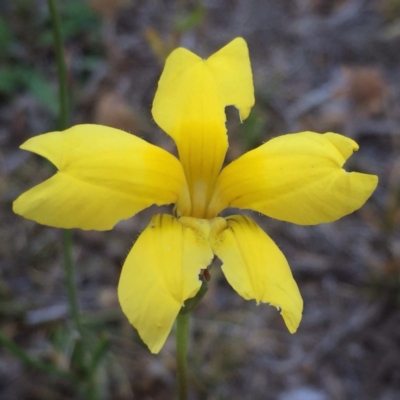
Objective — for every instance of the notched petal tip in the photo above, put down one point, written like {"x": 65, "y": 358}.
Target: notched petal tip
{"x": 344, "y": 144}
{"x": 291, "y": 310}
{"x": 232, "y": 72}
{"x": 291, "y": 319}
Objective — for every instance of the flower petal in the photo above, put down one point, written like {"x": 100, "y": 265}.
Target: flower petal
{"x": 160, "y": 273}
{"x": 190, "y": 106}
{"x": 296, "y": 178}
{"x": 255, "y": 267}
{"x": 105, "y": 175}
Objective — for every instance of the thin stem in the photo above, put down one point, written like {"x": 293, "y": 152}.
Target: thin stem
{"x": 91, "y": 392}
{"x": 70, "y": 280}
{"x": 182, "y": 332}
{"x": 61, "y": 67}
{"x": 63, "y": 121}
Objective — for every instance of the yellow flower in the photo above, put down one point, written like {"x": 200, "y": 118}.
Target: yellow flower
{"x": 106, "y": 175}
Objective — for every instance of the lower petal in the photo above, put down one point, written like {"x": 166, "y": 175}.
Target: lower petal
{"x": 255, "y": 267}
{"x": 160, "y": 273}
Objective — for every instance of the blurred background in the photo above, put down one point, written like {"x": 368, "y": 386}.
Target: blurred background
{"x": 320, "y": 65}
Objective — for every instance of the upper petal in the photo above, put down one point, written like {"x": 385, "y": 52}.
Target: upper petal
{"x": 104, "y": 175}
{"x": 190, "y": 106}
{"x": 255, "y": 267}
{"x": 296, "y": 178}
{"x": 160, "y": 273}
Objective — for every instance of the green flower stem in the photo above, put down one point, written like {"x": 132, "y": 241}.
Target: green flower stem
{"x": 61, "y": 67}
{"x": 70, "y": 281}
{"x": 91, "y": 390}
{"x": 63, "y": 121}
{"x": 182, "y": 332}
